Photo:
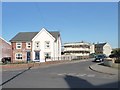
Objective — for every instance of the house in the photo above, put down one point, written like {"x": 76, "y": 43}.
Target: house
{"x": 36, "y": 46}
{"x": 78, "y": 48}
{"x": 103, "y": 48}
{"x": 92, "y": 48}
{"x": 5, "y": 48}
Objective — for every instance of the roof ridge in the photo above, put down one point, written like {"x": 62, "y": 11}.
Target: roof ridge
{"x": 25, "y": 36}
{"x": 37, "y": 31}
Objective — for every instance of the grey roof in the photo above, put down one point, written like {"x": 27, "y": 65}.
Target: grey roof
{"x": 55, "y": 34}
{"x": 28, "y": 36}
{"x": 100, "y": 44}
{"x": 24, "y": 36}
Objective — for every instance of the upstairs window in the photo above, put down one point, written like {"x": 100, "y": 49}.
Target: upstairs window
{"x": 47, "y": 44}
{"x": 18, "y": 45}
{"x": 28, "y": 45}
{"x": 37, "y": 45}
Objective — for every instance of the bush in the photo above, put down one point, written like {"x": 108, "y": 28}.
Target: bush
{"x": 117, "y": 61}
{"x": 112, "y": 56}
{"x": 116, "y": 54}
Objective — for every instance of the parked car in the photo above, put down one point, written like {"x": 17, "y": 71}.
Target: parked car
{"x": 6, "y": 60}
{"x": 99, "y": 58}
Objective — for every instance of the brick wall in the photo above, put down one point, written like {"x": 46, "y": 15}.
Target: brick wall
{"x": 5, "y": 49}
{"x": 23, "y": 51}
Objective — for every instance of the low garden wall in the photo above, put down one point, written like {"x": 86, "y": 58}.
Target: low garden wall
{"x": 111, "y": 63}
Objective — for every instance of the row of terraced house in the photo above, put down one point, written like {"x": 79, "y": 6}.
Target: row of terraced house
{"x": 46, "y": 45}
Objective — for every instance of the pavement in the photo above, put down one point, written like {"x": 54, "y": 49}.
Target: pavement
{"x": 99, "y": 67}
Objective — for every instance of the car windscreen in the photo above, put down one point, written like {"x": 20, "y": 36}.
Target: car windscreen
{"x": 100, "y": 56}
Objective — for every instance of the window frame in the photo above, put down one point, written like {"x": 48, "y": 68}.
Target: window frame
{"x": 46, "y": 44}
{"x": 37, "y": 46}
{"x": 20, "y": 45}
{"x": 17, "y": 57}
{"x": 28, "y": 46}
{"x": 47, "y": 55}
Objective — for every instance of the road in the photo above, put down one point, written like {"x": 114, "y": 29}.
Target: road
{"x": 70, "y": 75}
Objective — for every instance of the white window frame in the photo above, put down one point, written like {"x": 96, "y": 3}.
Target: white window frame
{"x": 20, "y": 44}
{"x": 37, "y": 46}
{"x": 49, "y": 54}
{"x": 27, "y": 45}
{"x": 46, "y": 45}
{"x": 17, "y": 55}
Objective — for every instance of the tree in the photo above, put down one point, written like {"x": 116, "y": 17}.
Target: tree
{"x": 115, "y": 54}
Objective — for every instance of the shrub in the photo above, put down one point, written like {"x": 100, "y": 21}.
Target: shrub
{"x": 117, "y": 61}
{"x": 116, "y": 54}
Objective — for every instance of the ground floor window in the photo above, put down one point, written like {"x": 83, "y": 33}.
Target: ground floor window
{"x": 37, "y": 55}
{"x": 19, "y": 56}
{"x": 47, "y": 55}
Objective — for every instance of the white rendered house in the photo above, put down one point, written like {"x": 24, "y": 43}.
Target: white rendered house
{"x": 46, "y": 46}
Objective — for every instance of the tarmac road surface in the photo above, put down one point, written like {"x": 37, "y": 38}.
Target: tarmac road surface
{"x": 70, "y": 75}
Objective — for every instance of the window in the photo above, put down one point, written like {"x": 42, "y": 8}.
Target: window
{"x": 47, "y": 44}
{"x": 37, "y": 45}
{"x": 47, "y": 55}
{"x": 19, "y": 56}
{"x": 18, "y": 45}
{"x": 28, "y": 45}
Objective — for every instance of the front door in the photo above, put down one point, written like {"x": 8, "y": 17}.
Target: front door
{"x": 37, "y": 55}
{"x": 28, "y": 56}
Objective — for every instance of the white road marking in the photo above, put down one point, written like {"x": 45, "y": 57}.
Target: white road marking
{"x": 62, "y": 74}
{"x": 91, "y": 75}
{"x": 85, "y": 75}
{"x": 81, "y": 74}
{"x": 72, "y": 74}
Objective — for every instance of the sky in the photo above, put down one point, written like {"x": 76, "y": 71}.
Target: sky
{"x": 76, "y": 21}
